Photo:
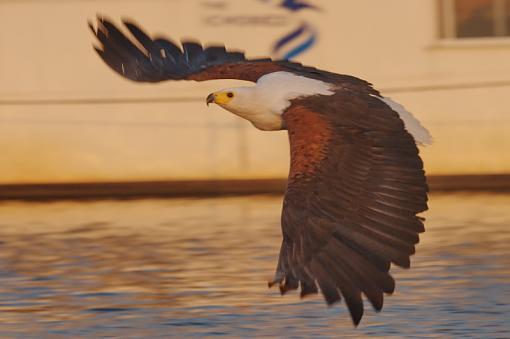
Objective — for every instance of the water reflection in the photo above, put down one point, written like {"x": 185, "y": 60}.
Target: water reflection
{"x": 155, "y": 268}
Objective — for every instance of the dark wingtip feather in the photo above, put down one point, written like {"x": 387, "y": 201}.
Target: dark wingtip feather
{"x": 289, "y": 284}
{"x": 356, "y": 320}
{"x": 389, "y": 285}
{"x": 133, "y": 27}
{"x": 331, "y": 295}
{"x": 191, "y": 42}
{"x": 402, "y": 261}
{"x": 356, "y": 312}
{"x": 128, "y": 21}
{"x": 99, "y": 51}
{"x": 101, "y": 18}
{"x": 277, "y": 279}
{"x": 308, "y": 288}
{"x": 378, "y": 303}
{"x": 90, "y": 24}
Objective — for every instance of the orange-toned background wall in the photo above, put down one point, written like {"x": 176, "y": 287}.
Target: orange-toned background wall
{"x": 64, "y": 116}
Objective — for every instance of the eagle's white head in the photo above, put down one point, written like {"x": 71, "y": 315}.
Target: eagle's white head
{"x": 247, "y": 103}
{"x": 264, "y": 103}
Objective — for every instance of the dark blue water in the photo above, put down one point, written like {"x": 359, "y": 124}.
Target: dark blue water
{"x": 186, "y": 267}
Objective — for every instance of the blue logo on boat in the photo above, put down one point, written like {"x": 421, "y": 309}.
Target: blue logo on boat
{"x": 296, "y": 5}
{"x": 304, "y": 33}
{"x": 303, "y": 30}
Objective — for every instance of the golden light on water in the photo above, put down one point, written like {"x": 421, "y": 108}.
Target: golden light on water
{"x": 201, "y": 266}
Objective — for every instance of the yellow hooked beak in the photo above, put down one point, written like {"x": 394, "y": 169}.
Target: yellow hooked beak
{"x": 219, "y": 98}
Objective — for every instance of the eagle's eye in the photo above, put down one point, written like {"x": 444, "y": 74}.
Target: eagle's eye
{"x": 230, "y": 94}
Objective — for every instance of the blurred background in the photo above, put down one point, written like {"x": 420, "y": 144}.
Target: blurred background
{"x": 71, "y": 128}
{"x": 66, "y": 117}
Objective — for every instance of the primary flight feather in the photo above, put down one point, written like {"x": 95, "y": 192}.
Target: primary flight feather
{"x": 356, "y": 180}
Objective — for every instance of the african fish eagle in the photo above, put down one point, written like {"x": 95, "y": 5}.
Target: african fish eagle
{"x": 356, "y": 181}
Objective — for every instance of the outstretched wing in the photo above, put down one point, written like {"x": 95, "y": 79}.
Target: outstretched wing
{"x": 152, "y": 60}
{"x": 355, "y": 186}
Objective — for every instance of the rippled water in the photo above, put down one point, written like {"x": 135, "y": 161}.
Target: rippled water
{"x": 177, "y": 267}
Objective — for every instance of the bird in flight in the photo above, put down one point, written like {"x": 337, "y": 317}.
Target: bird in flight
{"x": 356, "y": 181}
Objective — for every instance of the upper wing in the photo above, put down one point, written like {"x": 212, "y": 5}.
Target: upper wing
{"x": 355, "y": 186}
{"x": 152, "y": 60}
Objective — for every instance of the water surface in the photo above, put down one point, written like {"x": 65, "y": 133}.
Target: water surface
{"x": 199, "y": 267}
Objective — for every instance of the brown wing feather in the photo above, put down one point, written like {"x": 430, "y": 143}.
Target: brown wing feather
{"x": 143, "y": 58}
{"x": 355, "y": 186}
{"x": 246, "y": 70}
